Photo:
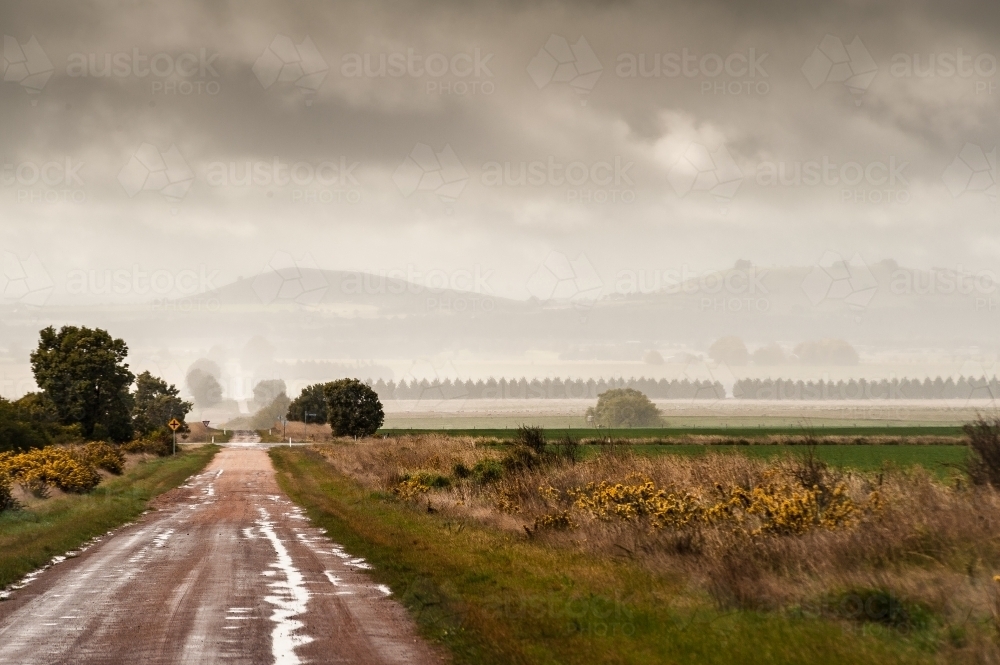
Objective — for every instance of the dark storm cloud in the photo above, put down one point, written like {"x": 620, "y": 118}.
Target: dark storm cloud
{"x": 659, "y": 92}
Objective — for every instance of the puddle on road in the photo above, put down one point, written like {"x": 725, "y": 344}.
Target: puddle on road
{"x": 290, "y": 599}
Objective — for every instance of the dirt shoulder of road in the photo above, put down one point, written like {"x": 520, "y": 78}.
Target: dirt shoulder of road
{"x": 31, "y": 537}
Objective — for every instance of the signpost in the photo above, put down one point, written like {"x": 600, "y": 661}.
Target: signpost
{"x": 174, "y": 425}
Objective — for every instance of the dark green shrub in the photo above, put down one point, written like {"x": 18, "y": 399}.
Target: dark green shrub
{"x": 487, "y": 471}
{"x": 984, "y": 440}
{"x": 872, "y": 605}
{"x": 530, "y": 437}
{"x": 432, "y": 479}
{"x": 520, "y": 458}
{"x": 624, "y": 407}
{"x": 353, "y": 408}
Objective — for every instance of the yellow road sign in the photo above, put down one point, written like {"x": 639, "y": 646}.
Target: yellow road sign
{"x": 174, "y": 424}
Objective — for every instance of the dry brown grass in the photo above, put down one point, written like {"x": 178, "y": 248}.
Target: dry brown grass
{"x": 929, "y": 543}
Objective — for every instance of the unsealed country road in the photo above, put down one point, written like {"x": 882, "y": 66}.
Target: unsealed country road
{"x": 226, "y": 570}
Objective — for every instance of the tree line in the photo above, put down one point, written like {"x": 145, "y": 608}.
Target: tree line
{"x": 861, "y": 389}
{"x": 87, "y": 391}
{"x": 556, "y": 388}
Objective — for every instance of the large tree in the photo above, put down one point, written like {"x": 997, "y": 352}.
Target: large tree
{"x": 624, "y": 407}
{"x": 83, "y": 373}
{"x": 266, "y": 391}
{"x": 18, "y": 431}
{"x": 204, "y": 387}
{"x": 156, "y": 403}
{"x": 353, "y": 408}
{"x": 312, "y": 401}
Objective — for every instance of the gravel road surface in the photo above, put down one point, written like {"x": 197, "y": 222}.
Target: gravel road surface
{"x": 225, "y": 570}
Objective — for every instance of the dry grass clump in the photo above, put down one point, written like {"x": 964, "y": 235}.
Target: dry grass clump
{"x": 787, "y": 534}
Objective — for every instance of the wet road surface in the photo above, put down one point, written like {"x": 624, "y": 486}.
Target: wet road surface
{"x": 226, "y": 570}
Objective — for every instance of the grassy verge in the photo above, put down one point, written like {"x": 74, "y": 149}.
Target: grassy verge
{"x": 494, "y": 597}
{"x": 30, "y": 538}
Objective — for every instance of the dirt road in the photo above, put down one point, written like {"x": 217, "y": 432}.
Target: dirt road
{"x": 226, "y": 570}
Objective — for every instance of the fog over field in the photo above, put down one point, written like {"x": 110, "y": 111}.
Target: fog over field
{"x": 403, "y": 191}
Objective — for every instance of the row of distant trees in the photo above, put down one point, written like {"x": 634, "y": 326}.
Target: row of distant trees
{"x": 544, "y": 389}
{"x": 787, "y": 389}
{"x": 87, "y": 391}
{"x": 765, "y": 389}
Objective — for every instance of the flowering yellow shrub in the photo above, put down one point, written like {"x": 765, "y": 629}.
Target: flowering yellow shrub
{"x": 37, "y": 469}
{"x": 556, "y": 521}
{"x": 410, "y": 489}
{"x": 103, "y": 456}
{"x": 779, "y": 507}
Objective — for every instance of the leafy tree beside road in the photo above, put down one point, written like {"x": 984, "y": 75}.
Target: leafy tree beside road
{"x": 353, "y": 408}
{"x": 17, "y": 431}
{"x": 312, "y": 401}
{"x": 156, "y": 403}
{"x": 83, "y": 373}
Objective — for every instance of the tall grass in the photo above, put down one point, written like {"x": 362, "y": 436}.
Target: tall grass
{"x": 925, "y": 544}
{"x": 496, "y": 596}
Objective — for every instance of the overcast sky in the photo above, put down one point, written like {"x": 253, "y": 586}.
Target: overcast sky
{"x": 391, "y": 136}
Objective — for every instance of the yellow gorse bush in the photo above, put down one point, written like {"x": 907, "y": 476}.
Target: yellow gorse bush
{"x": 410, "y": 489}
{"x": 52, "y": 466}
{"x": 102, "y": 456}
{"x": 779, "y": 508}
